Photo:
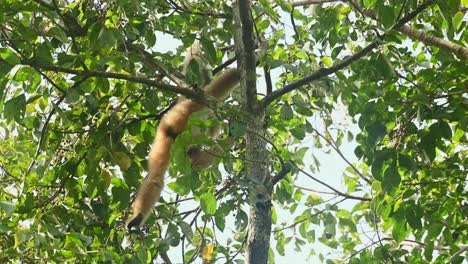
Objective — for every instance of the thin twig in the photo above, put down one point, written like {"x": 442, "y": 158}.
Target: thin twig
{"x": 305, "y": 219}
{"x": 340, "y": 193}
{"x": 338, "y": 151}
{"x": 46, "y": 123}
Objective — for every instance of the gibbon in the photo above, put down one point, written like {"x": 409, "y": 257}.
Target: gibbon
{"x": 199, "y": 157}
{"x": 172, "y": 124}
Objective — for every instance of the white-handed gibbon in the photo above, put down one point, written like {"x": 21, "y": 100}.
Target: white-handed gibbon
{"x": 172, "y": 124}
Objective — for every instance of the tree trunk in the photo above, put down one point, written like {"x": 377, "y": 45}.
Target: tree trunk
{"x": 258, "y": 241}
{"x": 257, "y": 159}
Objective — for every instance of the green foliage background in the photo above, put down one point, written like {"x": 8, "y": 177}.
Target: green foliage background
{"x": 74, "y": 138}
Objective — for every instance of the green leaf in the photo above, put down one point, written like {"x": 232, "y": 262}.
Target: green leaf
{"x": 122, "y": 159}
{"x": 400, "y": 231}
{"x": 298, "y": 133}
{"x": 443, "y": 129}
{"x": 107, "y": 38}
{"x": 448, "y": 9}
{"x": 120, "y": 194}
{"x": 220, "y": 221}
{"x": 237, "y": 129}
{"x": 93, "y": 34}
{"x": 301, "y": 106}
{"x": 263, "y": 24}
{"x": 21, "y": 235}
{"x": 457, "y": 20}
{"x": 434, "y": 231}
{"x": 15, "y": 108}
{"x": 384, "y": 67}
{"x": 405, "y": 161}
{"x": 428, "y": 250}
{"x": 100, "y": 210}
{"x": 286, "y": 112}
{"x": 376, "y": 186}
{"x": 186, "y": 230}
{"x": 266, "y": 4}
{"x": 59, "y": 34}
{"x": 9, "y": 56}
{"x": 181, "y": 186}
{"x": 428, "y": 148}
{"x": 5, "y": 68}
{"x": 150, "y": 38}
{"x": 391, "y": 179}
{"x": 192, "y": 75}
{"x": 208, "y": 203}
{"x": 369, "y": 3}
{"x": 303, "y": 228}
{"x": 376, "y": 131}
{"x": 387, "y": 16}
{"x": 413, "y": 215}
{"x": 241, "y": 220}
{"x": 210, "y": 51}
{"x": 7, "y": 206}
{"x": 43, "y": 54}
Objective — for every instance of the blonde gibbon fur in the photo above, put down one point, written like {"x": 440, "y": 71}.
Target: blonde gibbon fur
{"x": 200, "y": 157}
{"x": 172, "y": 124}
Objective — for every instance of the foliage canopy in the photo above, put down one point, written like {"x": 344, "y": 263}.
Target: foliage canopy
{"x": 83, "y": 84}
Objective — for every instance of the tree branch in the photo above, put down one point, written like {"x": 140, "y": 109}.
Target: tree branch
{"x": 405, "y": 29}
{"x": 317, "y": 75}
{"x": 332, "y": 144}
{"x": 245, "y": 52}
{"x": 75, "y": 30}
{"x": 338, "y": 192}
{"x": 150, "y": 62}
{"x": 47, "y": 121}
{"x": 463, "y": 248}
{"x": 305, "y": 219}
{"x": 322, "y": 72}
{"x": 312, "y": 2}
{"x": 286, "y": 168}
{"x": 434, "y": 41}
{"x": 417, "y": 34}
{"x": 165, "y": 257}
{"x": 199, "y": 96}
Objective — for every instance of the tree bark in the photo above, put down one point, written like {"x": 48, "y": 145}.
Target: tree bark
{"x": 257, "y": 159}
{"x": 258, "y": 240}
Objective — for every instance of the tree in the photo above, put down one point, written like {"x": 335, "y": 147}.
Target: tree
{"x": 83, "y": 84}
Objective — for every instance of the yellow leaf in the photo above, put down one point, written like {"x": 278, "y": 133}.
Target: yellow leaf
{"x": 21, "y": 235}
{"x": 207, "y": 253}
{"x": 107, "y": 175}
{"x": 327, "y": 61}
{"x": 314, "y": 197}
